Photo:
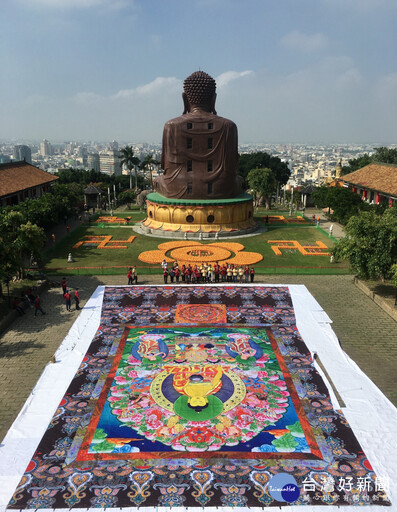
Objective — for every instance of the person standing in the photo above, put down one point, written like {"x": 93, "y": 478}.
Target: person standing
{"x": 77, "y": 298}
{"x": 252, "y": 274}
{"x": 37, "y": 306}
{"x": 67, "y": 300}
{"x": 165, "y": 275}
{"x": 134, "y": 275}
{"x": 63, "y": 284}
{"x": 129, "y": 275}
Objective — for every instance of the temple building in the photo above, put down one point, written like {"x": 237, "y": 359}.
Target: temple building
{"x": 376, "y": 183}
{"x": 20, "y": 181}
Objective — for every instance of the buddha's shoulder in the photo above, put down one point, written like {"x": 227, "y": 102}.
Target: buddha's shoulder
{"x": 198, "y": 117}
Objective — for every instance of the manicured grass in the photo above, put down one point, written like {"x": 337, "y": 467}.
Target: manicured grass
{"x": 91, "y": 260}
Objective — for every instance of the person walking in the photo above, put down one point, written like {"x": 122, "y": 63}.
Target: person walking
{"x": 37, "y": 306}
{"x": 129, "y": 275}
{"x": 67, "y": 300}
{"x": 77, "y": 298}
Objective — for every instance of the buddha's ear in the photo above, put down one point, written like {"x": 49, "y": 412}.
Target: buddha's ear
{"x": 213, "y": 99}
{"x": 186, "y": 104}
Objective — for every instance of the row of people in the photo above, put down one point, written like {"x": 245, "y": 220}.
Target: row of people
{"x": 207, "y": 273}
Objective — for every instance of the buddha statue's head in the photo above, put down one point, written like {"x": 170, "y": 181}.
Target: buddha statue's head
{"x": 199, "y": 93}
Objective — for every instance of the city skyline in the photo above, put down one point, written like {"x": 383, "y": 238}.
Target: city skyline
{"x": 315, "y": 71}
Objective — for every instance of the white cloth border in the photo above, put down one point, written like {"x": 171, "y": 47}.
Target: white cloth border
{"x": 367, "y": 409}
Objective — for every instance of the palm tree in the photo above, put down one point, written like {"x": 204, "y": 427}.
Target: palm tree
{"x": 128, "y": 159}
{"x": 147, "y": 163}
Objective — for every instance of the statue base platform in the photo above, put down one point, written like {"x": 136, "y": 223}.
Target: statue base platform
{"x": 198, "y": 218}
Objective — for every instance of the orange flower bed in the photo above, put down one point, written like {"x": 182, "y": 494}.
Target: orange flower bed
{"x": 188, "y": 251}
{"x": 289, "y": 220}
{"x": 305, "y": 250}
{"x": 104, "y": 242}
{"x": 111, "y": 220}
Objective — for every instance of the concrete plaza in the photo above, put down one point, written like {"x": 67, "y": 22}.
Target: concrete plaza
{"x": 365, "y": 331}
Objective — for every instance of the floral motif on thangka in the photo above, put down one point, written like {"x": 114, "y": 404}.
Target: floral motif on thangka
{"x": 107, "y": 462}
{"x": 195, "y": 390}
{"x": 200, "y": 314}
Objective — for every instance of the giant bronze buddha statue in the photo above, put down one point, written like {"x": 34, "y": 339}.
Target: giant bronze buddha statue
{"x": 199, "y": 155}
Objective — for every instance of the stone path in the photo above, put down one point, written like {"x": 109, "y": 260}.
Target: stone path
{"x": 366, "y": 332}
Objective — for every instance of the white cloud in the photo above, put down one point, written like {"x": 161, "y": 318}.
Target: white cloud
{"x": 304, "y": 42}
{"x": 229, "y": 76}
{"x": 157, "y": 86}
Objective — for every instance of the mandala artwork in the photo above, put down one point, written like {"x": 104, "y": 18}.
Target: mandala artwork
{"x": 197, "y": 396}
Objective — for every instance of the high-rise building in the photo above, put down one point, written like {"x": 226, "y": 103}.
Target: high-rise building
{"x": 22, "y": 152}
{"x": 114, "y": 145}
{"x": 83, "y": 154}
{"x": 93, "y": 162}
{"x": 45, "y": 148}
{"x": 110, "y": 162}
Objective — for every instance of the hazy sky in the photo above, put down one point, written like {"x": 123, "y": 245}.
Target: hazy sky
{"x": 303, "y": 71}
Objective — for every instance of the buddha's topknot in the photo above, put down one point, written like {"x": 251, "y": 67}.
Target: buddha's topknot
{"x": 199, "y": 88}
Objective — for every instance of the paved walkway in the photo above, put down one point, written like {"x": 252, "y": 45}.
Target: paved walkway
{"x": 367, "y": 334}
{"x": 325, "y": 223}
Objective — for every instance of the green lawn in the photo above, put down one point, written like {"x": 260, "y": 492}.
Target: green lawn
{"x": 91, "y": 260}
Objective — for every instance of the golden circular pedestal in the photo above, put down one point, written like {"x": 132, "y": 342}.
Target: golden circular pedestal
{"x": 231, "y": 216}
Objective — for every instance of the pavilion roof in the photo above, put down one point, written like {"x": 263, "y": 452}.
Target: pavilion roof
{"x": 17, "y": 176}
{"x": 376, "y": 176}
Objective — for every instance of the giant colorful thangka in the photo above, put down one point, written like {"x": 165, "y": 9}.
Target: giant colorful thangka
{"x": 199, "y": 397}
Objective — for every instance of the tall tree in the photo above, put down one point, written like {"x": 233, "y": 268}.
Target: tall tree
{"x": 263, "y": 183}
{"x": 18, "y": 242}
{"x": 261, "y": 160}
{"x": 128, "y": 159}
{"x": 371, "y": 244}
{"x": 343, "y": 201}
{"x": 147, "y": 164}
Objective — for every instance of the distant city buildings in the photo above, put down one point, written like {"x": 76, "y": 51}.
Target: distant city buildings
{"x": 309, "y": 163}
{"x": 22, "y": 152}
{"x": 93, "y": 162}
{"x": 45, "y": 148}
{"x": 110, "y": 162}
